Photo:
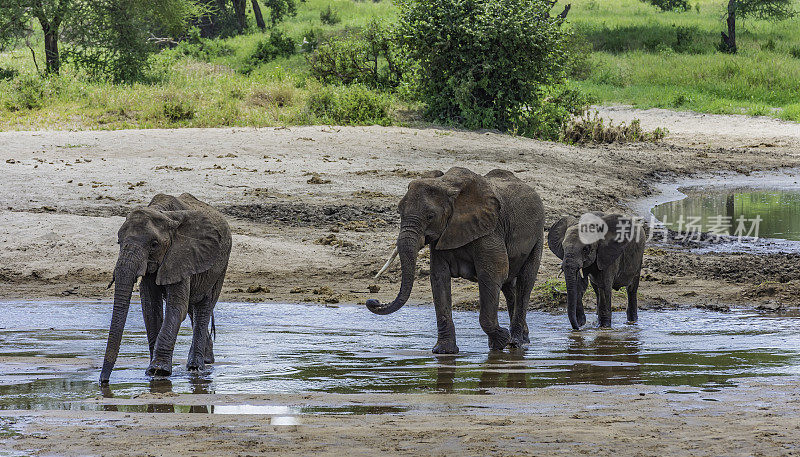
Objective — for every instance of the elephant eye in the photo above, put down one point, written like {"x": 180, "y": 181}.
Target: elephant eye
{"x": 154, "y": 244}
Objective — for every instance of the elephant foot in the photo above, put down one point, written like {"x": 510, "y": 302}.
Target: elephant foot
{"x": 581, "y": 318}
{"x": 445, "y": 347}
{"x": 499, "y": 339}
{"x": 630, "y": 322}
{"x": 604, "y": 324}
{"x": 519, "y": 338}
{"x": 157, "y": 368}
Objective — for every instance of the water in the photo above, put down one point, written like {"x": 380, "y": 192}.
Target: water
{"x": 779, "y": 210}
{"x": 50, "y": 353}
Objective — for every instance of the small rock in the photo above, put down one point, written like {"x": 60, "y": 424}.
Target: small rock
{"x": 257, "y": 289}
{"x": 373, "y": 288}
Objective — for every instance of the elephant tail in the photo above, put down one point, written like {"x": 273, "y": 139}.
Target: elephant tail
{"x": 213, "y": 327}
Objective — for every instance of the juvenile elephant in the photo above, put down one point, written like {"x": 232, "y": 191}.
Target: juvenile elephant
{"x": 180, "y": 248}
{"x": 611, "y": 262}
{"x": 487, "y": 229}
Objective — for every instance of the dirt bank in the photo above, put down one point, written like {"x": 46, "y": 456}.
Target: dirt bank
{"x": 581, "y": 420}
{"x": 313, "y": 208}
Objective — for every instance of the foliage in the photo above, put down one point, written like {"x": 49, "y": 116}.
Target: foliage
{"x": 591, "y": 128}
{"x": 13, "y": 16}
{"x": 558, "y": 106}
{"x": 482, "y": 63}
{"x": 8, "y": 73}
{"x": 277, "y": 45}
{"x": 177, "y": 109}
{"x": 671, "y": 5}
{"x": 369, "y": 57}
{"x": 764, "y": 9}
{"x": 349, "y": 105}
{"x": 204, "y": 49}
{"x": 280, "y": 10}
{"x": 27, "y": 93}
{"x": 329, "y": 17}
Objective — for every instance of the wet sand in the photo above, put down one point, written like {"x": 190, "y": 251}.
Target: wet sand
{"x": 757, "y": 418}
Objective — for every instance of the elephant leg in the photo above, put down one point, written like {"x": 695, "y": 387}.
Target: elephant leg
{"x": 603, "y": 305}
{"x": 632, "y": 290}
{"x": 200, "y": 336}
{"x": 442, "y": 301}
{"x": 175, "y": 312}
{"x": 152, "y": 309}
{"x": 525, "y": 282}
{"x": 489, "y": 290}
{"x": 509, "y": 290}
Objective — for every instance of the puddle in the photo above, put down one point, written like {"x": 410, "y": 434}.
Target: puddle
{"x": 50, "y": 359}
{"x": 712, "y": 209}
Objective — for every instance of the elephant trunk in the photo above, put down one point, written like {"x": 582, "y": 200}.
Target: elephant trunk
{"x": 130, "y": 265}
{"x": 574, "y": 294}
{"x": 408, "y": 245}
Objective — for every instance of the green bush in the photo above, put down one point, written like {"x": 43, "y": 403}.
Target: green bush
{"x": 8, "y": 73}
{"x": 27, "y": 92}
{"x": 484, "y": 63}
{"x": 277, "y": 45}
{"x": 349, "y": 105}
{"x": 176, "y": 109}
{"x": 205, "y": 49}
{"x": 671, "y": 5}
{"x": 329, "y": 17}
{"x": 368, "y": 57}
{"x": 795, "y": 52}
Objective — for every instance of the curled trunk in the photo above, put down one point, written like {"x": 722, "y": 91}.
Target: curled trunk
{"x": 407, "y": 248}
{"x": 125, "y": 275}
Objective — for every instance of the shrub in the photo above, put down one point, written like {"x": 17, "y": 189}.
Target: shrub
{"x": 329, "y": 17}
{"x": 349, "y": 105}
{"x": 8, "y": 73}
{"x": 483, "y": 63}
{"x": 27, "y": 92}
{"x": 205, "y": 49}
{"x": 176, "y": 109}
{"x": 278, "y": 45}
{"x": 369, "y": 57}
{"x": 591, "y": 128}
{"x": 559, "y": 105}
{"x": 671, "y": 5}
{"x": 795, "y": 52}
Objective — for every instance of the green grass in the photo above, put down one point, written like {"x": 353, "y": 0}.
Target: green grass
{"x": 639, "y": 55}
{"x": 187, "y": 92}
{"x": 649, "y": 58}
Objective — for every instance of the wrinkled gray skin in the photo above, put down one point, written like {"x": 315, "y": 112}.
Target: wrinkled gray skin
{"x": 608, "y": 264}
{"x": 487, "y": 229}
{"x": 180, "y": 249}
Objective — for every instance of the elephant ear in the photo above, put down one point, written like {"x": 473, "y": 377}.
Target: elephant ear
{"x": 612, "y": 246}
{"x": 196, "y": 244}
{"x": 555, "y": 236}
{"x": 476, "y": 208}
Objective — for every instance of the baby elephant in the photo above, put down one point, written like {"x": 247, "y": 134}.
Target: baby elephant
{"x": 606, "y": 249}
{"x": 180, "y": 249}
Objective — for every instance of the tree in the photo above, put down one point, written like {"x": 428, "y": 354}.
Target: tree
{"x": 774, "y": 10}
{"x": 485, "y": 63}
{"x": 102, "y": 35}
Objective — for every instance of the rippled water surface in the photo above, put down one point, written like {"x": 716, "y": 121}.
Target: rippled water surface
{"x": 49, "y": 352}
{"x": 718, "y": 209}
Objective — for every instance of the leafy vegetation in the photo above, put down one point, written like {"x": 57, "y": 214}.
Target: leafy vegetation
{"x": 300, "y": 69}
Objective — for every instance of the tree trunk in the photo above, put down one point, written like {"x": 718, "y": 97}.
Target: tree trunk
{"x": 259, "y": 17}
{"x": 240, "y": 9}
{"x": 729, "y": 40}
{"x": 51, "y": 55}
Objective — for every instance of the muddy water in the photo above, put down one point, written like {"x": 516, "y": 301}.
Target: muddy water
{"x": 50, "y": 353}
{"x": 778, "y": 210}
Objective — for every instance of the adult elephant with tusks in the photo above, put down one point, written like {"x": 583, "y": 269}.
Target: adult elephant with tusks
{"x": 604, "y": 249}
{"x": 179, "y": 247}
{"x": 487, "y": 229}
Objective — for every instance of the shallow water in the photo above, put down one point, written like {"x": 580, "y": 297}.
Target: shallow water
{"x": 778, "y": 209}
{"x": 274, "y": 348}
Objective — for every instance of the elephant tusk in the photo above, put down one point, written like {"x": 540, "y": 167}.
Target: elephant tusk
{"x": 388, "y": 262}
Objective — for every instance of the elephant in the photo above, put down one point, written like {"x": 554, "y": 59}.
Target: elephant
{"x": 610, "y": 262}
{"x": 180, "y": 249}
{"x": 487, "y": 229}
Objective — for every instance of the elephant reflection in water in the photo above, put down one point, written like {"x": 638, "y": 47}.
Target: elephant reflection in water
{"x": 501, "y": 369}
{"x": 604, "y": 358}
{"x": 199, "y": 386}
